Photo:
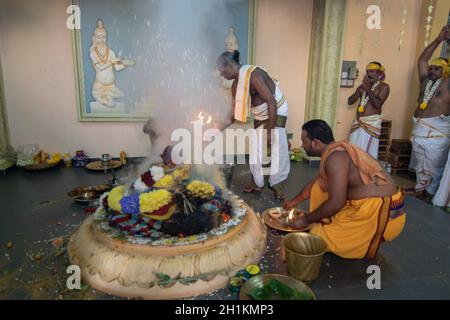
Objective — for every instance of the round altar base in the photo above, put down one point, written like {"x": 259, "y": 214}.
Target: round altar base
{"x": 129, "y": 270}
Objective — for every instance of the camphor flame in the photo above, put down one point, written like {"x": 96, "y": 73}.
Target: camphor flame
{"x": 291, "y": 215}
{"x": 201, "y": 117}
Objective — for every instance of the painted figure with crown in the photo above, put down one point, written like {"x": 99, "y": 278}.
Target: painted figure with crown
{"x": 105, "y": 62}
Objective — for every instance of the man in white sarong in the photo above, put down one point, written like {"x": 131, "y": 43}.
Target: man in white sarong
{"x": 255, "y": 91}
{"x": 431, "y": 131}
{"x": 373, "y": 92}
{"x": 442, "y": 196}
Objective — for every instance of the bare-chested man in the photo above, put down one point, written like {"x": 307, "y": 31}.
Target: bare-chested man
{"x": 354, "y": 203}
{"x": 254, "y": 90}
{"x": 431, "y": 131}
{"x": 372, "y": 93}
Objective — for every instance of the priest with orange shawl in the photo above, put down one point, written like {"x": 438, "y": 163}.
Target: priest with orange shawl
{"x": 354, "y": 204}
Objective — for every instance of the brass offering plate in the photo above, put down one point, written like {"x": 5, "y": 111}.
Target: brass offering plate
{"x": 98, "y": 165}
{"x": 260, "y": 280}
{"x": 275, "y": 223}
{"x": 41, "y": 166}
{"x": 89, "y": 193}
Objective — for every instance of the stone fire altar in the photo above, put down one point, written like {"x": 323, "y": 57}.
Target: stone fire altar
{"x": 168, "y": 236}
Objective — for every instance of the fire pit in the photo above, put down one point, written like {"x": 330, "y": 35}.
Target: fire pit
{"x": 169, "y": 236}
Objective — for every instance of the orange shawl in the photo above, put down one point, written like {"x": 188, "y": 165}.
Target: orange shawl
{"x": 369, "y": 169}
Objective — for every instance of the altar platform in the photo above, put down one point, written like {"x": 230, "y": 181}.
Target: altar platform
{"x": 414, "y": 266}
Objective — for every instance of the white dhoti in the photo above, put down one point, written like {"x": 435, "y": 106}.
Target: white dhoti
{"x": 365, "y": 134}
{"x": 279, "y": 155}
{"x": 442, "y": 196}
{"x": 105, "y": 94}
{"x": 430, "y": 145}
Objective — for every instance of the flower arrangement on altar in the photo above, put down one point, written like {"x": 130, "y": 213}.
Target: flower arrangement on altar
{"x": 191, "y": 210}
{"x": 157, "y": 204}
{"x": 156, "y": 177}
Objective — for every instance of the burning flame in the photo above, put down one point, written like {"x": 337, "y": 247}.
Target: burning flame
{"x": 291, "y": 214}
{"x": 225, "y": 217}
{"x": 201, "y": 117}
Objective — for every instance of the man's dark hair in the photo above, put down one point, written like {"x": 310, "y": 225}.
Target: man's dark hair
{"x": 228, "y": 57}
{"x": 320, "y": 130}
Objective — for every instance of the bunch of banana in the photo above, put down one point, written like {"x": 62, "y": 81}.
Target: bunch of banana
{"x": 43, "y": 157}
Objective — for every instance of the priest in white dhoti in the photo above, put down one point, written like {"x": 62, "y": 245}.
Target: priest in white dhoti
{"x": 372, "y": 93}
{"x": 442, "y": 196}
{"x": 430, "y": 145}
{"x": 431, "y": 123}
{"x": 255, "y": 92}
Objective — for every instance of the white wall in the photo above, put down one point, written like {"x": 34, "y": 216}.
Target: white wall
{"x": 38, "y": 73}
{"x": 283, "y": 37}
{"x": 363, "y": 46}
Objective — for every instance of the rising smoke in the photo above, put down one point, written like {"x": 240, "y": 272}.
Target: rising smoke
{"x": 184, "y": 39}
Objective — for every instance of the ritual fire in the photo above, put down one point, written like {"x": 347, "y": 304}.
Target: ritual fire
{"x": 167, "y": 212}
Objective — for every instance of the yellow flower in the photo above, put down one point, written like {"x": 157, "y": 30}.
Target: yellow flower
{"x": 114, "y": 197}
{"x": 201, "y": 189}
{"x": 165, "y": 182}
{"x": 154, "y": 200}
{"x": 181, "y": 173}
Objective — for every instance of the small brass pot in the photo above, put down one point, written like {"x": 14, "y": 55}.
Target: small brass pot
{"x": 304, "y": 253}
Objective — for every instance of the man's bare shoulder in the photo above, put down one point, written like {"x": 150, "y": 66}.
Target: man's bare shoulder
{"x": 336, "y": 160}
{"x": 384, "y": 85}
{"x": 260, "y": 74}
{"x": 446, "y": 83}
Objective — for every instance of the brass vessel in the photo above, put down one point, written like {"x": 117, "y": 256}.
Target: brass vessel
{"x": 304, "y": 253}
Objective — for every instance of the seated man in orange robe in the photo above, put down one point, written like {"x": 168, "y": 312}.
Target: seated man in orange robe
{"x": 354, "y": 203}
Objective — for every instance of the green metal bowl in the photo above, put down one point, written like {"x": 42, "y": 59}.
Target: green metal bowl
{"x": 260, "y": 280}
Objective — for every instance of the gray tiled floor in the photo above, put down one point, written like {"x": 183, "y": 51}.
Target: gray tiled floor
{"x": 414, "y": 266}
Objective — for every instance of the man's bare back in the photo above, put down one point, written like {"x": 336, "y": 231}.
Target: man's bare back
{"x": 356, "y": 189}
{"x": 260, "y": 75}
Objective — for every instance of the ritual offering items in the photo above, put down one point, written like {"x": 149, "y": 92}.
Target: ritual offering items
{"x": 102, "y": 165}
{"x": 80, "y": 159}
{"x": 67, "y": 159}
{"x": 171, "y": 234}
{"x": 89, "y": 193}
{"x": 280, "y": 219}
{"x": 297, "y": 154}
{"x": 236, "y": 284}
{"x": 123, "y": 158}
{"x": 106, "y": 160}
{"x": 275, "y": 287}
{"x": 242, "y": 276}
{"x": 42, "y": 160}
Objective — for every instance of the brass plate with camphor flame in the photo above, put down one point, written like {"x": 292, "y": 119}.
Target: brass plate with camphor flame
{"x": 275, "y": 223}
